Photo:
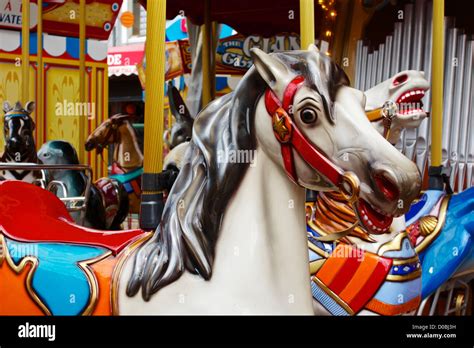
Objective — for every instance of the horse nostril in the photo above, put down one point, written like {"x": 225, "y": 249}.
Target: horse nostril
{"x": 387, "y": 186}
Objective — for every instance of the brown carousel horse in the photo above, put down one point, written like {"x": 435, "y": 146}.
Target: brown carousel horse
{"x": 127, "y": 165}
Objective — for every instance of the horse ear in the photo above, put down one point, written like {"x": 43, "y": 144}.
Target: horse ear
{"x": 177, "y": 105}
{"x": 6, "y": 106}
{"x": 313, "y": 47}
{"x": 30, "y": 106}
{"x": 273, "y": 71}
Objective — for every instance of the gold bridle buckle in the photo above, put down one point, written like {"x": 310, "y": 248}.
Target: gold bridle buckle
{"x": 350, "y": 187}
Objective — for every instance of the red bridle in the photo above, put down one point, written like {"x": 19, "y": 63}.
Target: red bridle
{"x": 290, "y": 137}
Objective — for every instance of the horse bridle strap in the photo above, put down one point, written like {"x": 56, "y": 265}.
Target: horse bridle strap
{"x": 290, "y": 137}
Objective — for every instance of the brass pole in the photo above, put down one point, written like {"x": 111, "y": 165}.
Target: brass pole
{"x": 25, "y": 50}
{"x": 40, "y": 78}
{"x": 152, "y": 196}
{"x": 436, "y": 172}
{"x": 437, "y": 84}
{"x": 82, "y": 76}
{"x": 306, "y": 23}
{"x": 207, "y": 79}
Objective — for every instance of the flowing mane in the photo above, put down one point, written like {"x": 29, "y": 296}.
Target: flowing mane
{"x": 192, "y": 217}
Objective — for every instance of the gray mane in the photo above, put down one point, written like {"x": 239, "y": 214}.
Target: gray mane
{"x": 194, "y": 210}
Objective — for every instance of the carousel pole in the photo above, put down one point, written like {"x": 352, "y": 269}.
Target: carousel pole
{"x": 435, "y": 171}
{"x": 82, "y": 73}
{"x": 152, "y": 196}
{"x": 40, "y": 78}
{"x": 207, "y": 79}
{"x": 307, "y": 38}
{"x": 306, "y": 23}
{"x": 25, "y": 50}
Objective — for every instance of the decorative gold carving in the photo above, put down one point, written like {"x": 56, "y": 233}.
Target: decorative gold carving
{"x": 314, "y": 266}
{"x": 394, "y": 244}
{"x": 123, "y": 256}
{"x": 439, "y": 225}
{"x": 92, "y": 280}
{"x": 332, "y": 214}
{"x": 428, "y": 225}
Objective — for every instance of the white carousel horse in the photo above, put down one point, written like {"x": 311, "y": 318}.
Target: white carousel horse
{"x": 230, "y": 240}
{"x": 406, "y": 89}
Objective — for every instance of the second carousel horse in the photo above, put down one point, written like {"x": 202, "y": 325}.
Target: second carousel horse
{"x": 406, "y": 89}
{"x": 18, "y": 128}
{"x": 182, "y": 129}
{"x": 107, "y": 205}
{"x": 127, "y": 166}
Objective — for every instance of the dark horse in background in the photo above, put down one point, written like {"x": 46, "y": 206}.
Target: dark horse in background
{"x": 20, "y": 147}
{"x": 107, "y": 204}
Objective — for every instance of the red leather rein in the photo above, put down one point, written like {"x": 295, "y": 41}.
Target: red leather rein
{"x": 290, "y": 137}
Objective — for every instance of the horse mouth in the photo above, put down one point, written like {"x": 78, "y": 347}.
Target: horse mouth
{"x": 373, "y": 219}
{"x": 409, "y": 103}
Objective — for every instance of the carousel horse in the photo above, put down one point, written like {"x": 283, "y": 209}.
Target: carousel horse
{"x": 182, "y": 129}
{"x": 107, "y": 204}
{"x": 18, "y": 127}
{"x": 406, "y": 89}
{"x": 127, "y": 166}
{"x": 224, "y": 220}
{"x": 398, "y": 292}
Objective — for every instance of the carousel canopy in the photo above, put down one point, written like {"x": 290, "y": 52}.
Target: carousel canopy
{"x": 263, "y": 17}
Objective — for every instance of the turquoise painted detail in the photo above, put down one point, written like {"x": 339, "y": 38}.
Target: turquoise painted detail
{"x": 397, "y": 293}
{"x": 406, "y": 251}
{"x": 59, "y": 281}
{"x": 123, "y": 178}
{"x": 454, "y": 245}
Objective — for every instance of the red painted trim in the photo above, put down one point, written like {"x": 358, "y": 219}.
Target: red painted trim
{"x": 29, "y": 213}
{"x": 308, "y": 151}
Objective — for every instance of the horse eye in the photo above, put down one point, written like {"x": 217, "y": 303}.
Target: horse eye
{"x": 308, "y": 116}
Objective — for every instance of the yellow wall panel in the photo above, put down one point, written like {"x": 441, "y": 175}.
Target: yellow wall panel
{"x": 10, "y": 89}
{"x": 63, "y": 107}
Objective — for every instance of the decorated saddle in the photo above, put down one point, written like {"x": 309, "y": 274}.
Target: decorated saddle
{"x": 348, "y": 280}
{"x": 49, "y": 265}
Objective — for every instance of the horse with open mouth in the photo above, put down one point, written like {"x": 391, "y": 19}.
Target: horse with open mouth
{"x": 230, "y": 240}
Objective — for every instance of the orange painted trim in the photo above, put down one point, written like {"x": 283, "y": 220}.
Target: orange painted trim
{"x": 383, "y": 308}
{"x": 332, "y": 266}
{"x": 103, "y": 271}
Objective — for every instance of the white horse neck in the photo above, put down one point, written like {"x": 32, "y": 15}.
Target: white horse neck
{"x": 261, "y": 260}
{"x": 263, "y": 244}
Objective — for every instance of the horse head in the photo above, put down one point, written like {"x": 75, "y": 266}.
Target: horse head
{"x": 58, "y": 152}
{"x": 319, "y": 133}
{"x": 106, "y": 133}
{"x": 18, "y": 127}
{"x": 182, "y": 129}
{"x": 406, "y": 89}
